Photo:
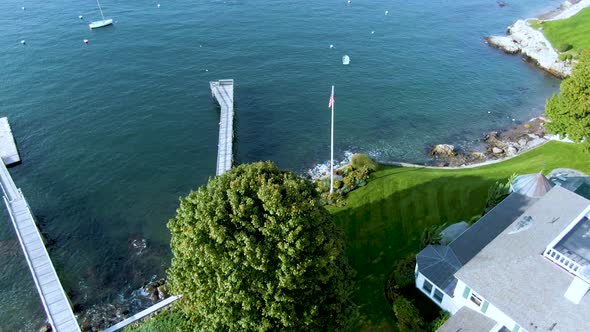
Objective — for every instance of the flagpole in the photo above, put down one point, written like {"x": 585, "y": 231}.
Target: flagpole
{"x": 332, "y": 147}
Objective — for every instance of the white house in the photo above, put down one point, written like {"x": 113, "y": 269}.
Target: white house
{"x": 522, "y": 267}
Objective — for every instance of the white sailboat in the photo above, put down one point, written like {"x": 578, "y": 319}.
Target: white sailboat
{"x": 102, "y": 23}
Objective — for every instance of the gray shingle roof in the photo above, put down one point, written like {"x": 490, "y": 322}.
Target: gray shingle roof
{"x": 439, "y": 263}
{"x": 511, "y": 273}
{"x": 489, "y": 226}
{"x": 467, "y": 320}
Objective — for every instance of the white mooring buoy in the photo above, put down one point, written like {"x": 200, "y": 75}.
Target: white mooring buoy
{"x": 331, "y": 46}
{"x": 86, "y": 41}
{"x": 158, "y": 5}
{"x": 386, "y": 12}
{"x": 80, "y": 17}
{"x": 23, "y": 42}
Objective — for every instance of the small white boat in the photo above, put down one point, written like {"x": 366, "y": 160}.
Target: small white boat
{"x": 102, "y": 23}
{"x": 345, "y": 60}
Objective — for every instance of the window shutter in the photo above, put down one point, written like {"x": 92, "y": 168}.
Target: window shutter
{"x": 484, "y": 308}
{"x": 466, "y": 292}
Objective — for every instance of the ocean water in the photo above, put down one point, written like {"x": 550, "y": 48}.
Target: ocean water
{"x": 113, "y": 132}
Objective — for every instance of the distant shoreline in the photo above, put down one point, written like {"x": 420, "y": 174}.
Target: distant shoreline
{"x": 523, "y": 39}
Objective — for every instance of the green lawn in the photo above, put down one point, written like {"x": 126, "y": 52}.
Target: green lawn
{"x": 574, "y": 31}
{"x": 383, "y": 220}
{"x": 169, "y": 320}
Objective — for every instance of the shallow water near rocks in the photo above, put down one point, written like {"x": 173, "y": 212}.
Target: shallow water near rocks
{"x": 113, "y": 132}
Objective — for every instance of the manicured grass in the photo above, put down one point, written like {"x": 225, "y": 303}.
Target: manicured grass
{"x": 383, "y": 220}
{"x": 167, "y": 320}
{"x": 574, "y": 31}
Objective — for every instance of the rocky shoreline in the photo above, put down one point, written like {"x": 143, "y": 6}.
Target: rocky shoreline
{"x": 531, "y": 43}
{"x": 498, "y": 146}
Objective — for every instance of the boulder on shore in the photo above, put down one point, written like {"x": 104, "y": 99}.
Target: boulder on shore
{"x": 443, "y": 150}
{"x": 511, "y": 151}
{"x": 477, "y": 155}
{"x": 497, "y": 150}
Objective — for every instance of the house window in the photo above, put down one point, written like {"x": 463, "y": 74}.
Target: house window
{"x": 484, "y": 308}
{"x": 438, "y": 295}
{"x": 466, "y": 292}
{"x": 476, "y": 299}
{"x": 427, "y": 287}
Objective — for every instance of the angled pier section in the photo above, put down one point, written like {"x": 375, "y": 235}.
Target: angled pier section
{"x": 8, "y": 150}
{"x": 223, "y": 92}
{"x": 54, "y": 299}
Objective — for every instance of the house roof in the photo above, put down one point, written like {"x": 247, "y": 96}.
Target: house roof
{"x": 439, "y": 264}
{"x": 489, "y": 226}
{"x": 467, "y": 320}
{"x": 511, "y": 273}
{"x": 532, "y": 185}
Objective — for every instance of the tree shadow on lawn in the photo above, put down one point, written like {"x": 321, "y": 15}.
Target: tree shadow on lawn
{"x": 382, "y": 231}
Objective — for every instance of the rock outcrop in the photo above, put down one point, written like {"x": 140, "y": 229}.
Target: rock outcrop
{"x": 522, "y": 38}
{"x": 446, "y": 150}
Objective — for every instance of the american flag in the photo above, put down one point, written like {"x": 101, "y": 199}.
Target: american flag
{"x": 331, "y": 103}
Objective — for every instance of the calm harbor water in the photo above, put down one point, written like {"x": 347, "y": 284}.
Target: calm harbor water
{"x": 112, "y": 133}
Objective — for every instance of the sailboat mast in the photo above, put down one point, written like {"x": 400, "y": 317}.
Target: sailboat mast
{"x": 101, "y": 14}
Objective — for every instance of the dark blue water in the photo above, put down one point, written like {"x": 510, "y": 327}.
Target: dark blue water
{"x": 112, "y": 133}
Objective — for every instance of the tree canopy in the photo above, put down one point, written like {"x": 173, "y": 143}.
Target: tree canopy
{"x": 255, "y": 250}
{"x": 569, "y": 111}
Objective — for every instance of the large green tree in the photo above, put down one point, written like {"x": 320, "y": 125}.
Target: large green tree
{"x": 569, "y": 111}
{"x": 255, "y": 250}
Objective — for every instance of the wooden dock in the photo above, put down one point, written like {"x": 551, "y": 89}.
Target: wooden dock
{"x": 8, "y": 150}
{"x": 55, "y": 302}
{"x": 223, "y": 91}
{"x": 140, "y": 315}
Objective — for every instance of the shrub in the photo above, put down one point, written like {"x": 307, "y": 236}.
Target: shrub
{"x": 349, "y": 181}
{"x": 431, "y": 235}
{"x": 436, "y": 324}
{"x": 563, "y": 47}
{"x": 323, "y": 185}
{"x": 527, "y": 125}
{"x": 336, "y": 199}
{"x": 360, "y": 160}
{"x": 497, "y": 192}
{"x": 408, "y": 317}
{"x": 402, "y": 276}
{"x": 568, "y": 111}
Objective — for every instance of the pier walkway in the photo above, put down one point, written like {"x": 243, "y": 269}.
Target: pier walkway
{"x": 55, "y": 302}
{"x": 223, "y": 91}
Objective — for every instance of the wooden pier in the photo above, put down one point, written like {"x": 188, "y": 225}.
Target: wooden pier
{"x": 8, "y": 150}
{"x": 142, "y": 314}
{"x": 55, "y": 302}
{"x": 223, "y": 91}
